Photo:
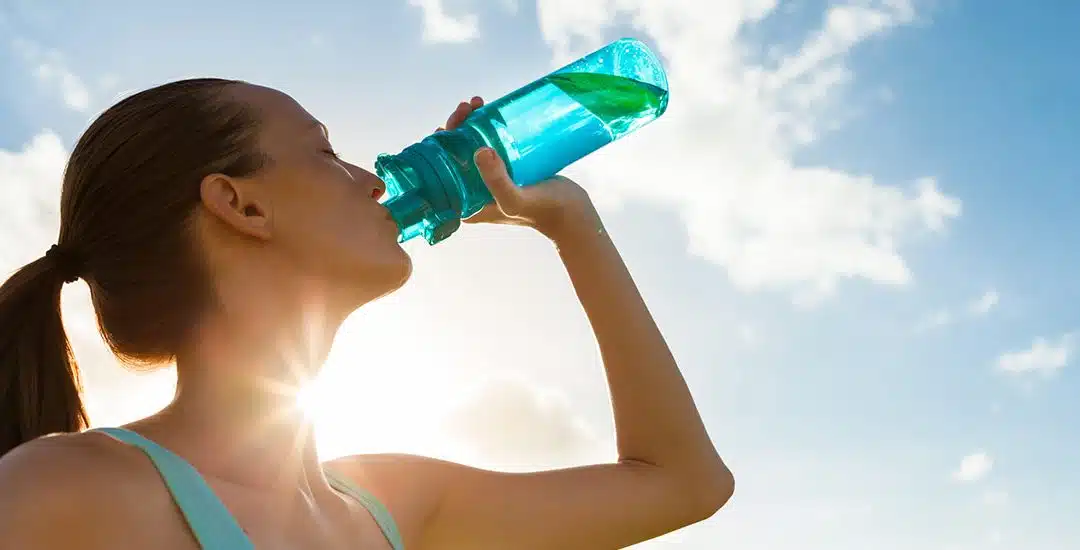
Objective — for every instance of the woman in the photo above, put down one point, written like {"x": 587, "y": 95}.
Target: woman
{"x": 214, "y": 223}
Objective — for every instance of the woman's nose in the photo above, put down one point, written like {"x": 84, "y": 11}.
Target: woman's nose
{"x": 377, "y": 186}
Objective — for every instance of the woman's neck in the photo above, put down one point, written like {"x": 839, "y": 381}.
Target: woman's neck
{"x": 235, "y": 413}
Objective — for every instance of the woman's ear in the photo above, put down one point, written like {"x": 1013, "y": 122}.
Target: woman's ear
{"x": 238, "y": 204}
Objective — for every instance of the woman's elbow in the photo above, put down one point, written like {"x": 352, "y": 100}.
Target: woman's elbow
{"x": 719, "y": 488}
{"x": 710, "y": 489}
{"x": 701, "y": 492}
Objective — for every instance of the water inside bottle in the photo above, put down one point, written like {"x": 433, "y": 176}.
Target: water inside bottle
{"x": 562, "y": 117}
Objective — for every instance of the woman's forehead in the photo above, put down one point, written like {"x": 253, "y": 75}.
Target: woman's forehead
{"x": 277, "y": 111}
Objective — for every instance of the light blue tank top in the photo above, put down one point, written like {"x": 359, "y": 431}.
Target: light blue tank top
{"x": 214, "y": 527}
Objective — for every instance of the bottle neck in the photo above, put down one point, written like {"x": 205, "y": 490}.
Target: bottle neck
{"x": 409, "y": 211}
{"x": 422, "y": 191}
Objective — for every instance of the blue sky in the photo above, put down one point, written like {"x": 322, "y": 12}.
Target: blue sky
{"x": 853, "y": 225}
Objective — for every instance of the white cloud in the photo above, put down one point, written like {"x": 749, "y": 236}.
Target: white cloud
{"x": 723, "y": 154}
{"x": 977, "y": 308}
{"x": 1043, "y": 356}
{"x": 844, "y": 27}
{"x": 984, "y": 303}
{"x": 51, "y": 70}
{"x": 441, "y": 27}
{"x": 30, "y": 199}
{"x": 74, "y": 92}
{"x": 974, "y": 467}
{"x": 517, "y": 424}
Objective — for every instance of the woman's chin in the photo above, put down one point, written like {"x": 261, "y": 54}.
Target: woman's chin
{"x": 374, "y": 282}
{"x": 402, "y": 276}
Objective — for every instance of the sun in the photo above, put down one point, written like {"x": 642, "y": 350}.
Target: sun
{"x": 308, "y": 399}
{"x": 378, "y": 393}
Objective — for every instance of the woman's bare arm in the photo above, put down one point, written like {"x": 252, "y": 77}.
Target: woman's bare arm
{"x": 668, "y": 474}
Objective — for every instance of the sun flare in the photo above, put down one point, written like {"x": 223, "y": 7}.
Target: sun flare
{"x": 378, "y": 392}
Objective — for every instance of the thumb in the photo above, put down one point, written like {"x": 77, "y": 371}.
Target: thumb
{"x": 493, "y": 170}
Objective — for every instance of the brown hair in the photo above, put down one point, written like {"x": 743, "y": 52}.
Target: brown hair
{"x": 130, "y": 190}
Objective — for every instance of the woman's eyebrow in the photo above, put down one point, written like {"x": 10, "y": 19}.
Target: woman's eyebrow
{"x": 322, "y": 127}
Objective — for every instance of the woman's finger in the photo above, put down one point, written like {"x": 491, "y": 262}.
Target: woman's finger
{"x": 492, "y": 214}
{"x": 498, "y": 181}
{"x": 489, "y": 213}
{"x": 463, "y": 110}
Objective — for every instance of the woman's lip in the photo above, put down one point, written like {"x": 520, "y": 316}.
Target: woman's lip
{"x": 391, "y": 219}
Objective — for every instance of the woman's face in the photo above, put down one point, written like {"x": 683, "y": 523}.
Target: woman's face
{"x": 326, "y": 216}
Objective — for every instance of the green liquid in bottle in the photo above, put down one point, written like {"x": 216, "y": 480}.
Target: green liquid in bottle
{"x": 622, "y": 104}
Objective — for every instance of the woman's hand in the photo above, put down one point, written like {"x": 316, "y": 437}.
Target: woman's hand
{"x": 558, "y": 208}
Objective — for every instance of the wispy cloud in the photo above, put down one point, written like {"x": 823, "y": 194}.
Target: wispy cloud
{"x": 984, "y": 303}
{"x": 1044, "y": 356}
{"x": 730, "y": 136}
{"x": 50, "y": 69}
{"x": 978, "y": 307}
{"x": 74, "y": 92}
{"x": 518, "y": 424}
{"x": 974, "y": 467}
{"x": 441, "y": 27}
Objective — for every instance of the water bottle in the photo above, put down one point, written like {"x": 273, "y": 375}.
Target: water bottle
{"x": 538, "y": 129}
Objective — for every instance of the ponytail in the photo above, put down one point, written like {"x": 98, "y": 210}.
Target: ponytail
{"x": 39, "y": 382}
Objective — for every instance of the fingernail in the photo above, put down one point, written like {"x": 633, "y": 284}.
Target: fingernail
{"x": 485, "y": 155}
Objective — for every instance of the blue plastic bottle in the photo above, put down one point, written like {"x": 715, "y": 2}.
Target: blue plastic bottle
{"x": 538, "y": 130}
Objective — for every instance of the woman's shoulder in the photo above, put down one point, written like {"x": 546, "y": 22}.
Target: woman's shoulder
{"x": 392, "y": 477}
{"x": 403, "y": 483}
{"x": 58, "y": 463}
{"x": 64, "y": 488}
{"x": 62, "y": 470}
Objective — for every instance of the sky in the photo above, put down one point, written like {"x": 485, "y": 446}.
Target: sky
{"x": 852, "y": 224}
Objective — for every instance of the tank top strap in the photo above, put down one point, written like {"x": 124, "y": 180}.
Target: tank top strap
{"x": 377, "y": 510}
{"x": 207, "y": 517}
